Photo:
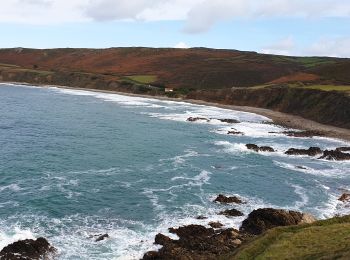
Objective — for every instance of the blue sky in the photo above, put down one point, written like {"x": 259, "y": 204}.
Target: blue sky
{"x": 293, "y": 27}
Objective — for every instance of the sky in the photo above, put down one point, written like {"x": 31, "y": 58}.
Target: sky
{"x": 287, "y": 27}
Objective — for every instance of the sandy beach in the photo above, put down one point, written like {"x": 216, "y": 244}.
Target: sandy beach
{"x": 279, "y": 118}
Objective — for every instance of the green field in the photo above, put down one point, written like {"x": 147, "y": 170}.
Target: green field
{"x": 142, "y": 79}
{"x": 328, "y": 239}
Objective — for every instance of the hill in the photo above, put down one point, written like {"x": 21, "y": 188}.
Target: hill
{"x": 315, "y": 88}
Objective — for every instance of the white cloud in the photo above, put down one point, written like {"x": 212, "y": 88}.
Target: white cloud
{"x": 181, "y": 45}
{"x": 285, "y": 46}
{"x": 332, "y": 47}
{"x": 199, "y": 15}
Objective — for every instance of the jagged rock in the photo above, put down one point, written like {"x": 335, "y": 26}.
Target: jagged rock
{"x": 161, "y": 239}
{"x": 312, "y": 151}
{"x": 345, "y": 197}
{"x": 256, "y": 148}
{"x": 231, "y": 213}
{"x": 261, "y": 220}
{"x": 102, "y": 237}
{"x": 28, "y": 249}
{"x": 229, "y": 121}
{"x": 197, "y": 242}
{"x": 226, "y": 200}
{"x": 266, "y": 149}
{"x": 215, "y": 224}
{"x": 308, "y": 133}
{"x": 343, "y": 149}
{"x": 335, "y": 155}
{"x": 235, "y": 133}
{"x": 195, "y": 119}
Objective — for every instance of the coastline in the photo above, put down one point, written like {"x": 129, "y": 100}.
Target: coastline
{"x": 278, "y": 118}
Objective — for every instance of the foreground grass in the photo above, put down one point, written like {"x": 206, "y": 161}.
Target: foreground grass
{"x": 329, "y": 239}
{"x": 143, "y": 79}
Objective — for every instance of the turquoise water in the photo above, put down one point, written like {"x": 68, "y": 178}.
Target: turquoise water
{"x": 78, "y": 163}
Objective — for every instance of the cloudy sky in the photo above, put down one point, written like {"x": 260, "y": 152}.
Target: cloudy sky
{"x": 290, "y": 27}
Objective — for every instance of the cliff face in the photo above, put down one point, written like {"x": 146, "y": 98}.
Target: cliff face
{"x": 331, "y": 108}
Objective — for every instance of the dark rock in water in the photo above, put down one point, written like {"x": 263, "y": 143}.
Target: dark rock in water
{"x": 197, "y": 242}
{"x": 235, "y": 133}
{"x": 229, "y": 121}
{"x": 261, "y": 220}
{"x": 343, "y": 149}
{"x": 215, "y": 224}
{"x": 345, "y": 197}
{"x": 28, "y": 249}
{"x": 195, "y": 119}
{"x": 312, "y": 151}
{"x": 266, "y": 149}
{"x": 309, "y": 134}
{"x": 231, "y": 213}
{"x": 102, "y": 237}
{"x": 256, "y": 148}
{"x": 253, "y": 147}
{"x": 301, "y": 167}
{"x": 226, "y": 200}
{"x": 161, "y": 239}
{"x": 201, "y": 217}
{"x": 335, "y": 155}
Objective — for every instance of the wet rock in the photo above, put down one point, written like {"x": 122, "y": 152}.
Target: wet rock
{"x": 261, "y": 220}
{"x": 335, "y": 155}
{"x": 312, "y": 151}
{"x": 201, "y": 217}
{"x": 345, "y": 197}
{"x": 198, "y": 242}
{"x": 215, "y": 224}
{"x": 343, "y": 149}
{"x": 227, "y": 200}
{"x": 235, "y": 133}
{"x": 231, "y": 213}
{"x": 308, "y": 133}
{"x": 266, "y": 149}
{"x": 102, "y": 237}
{"x": 161, "y": 239}
{"x": 28, "y": 249}
{"x": 195, "y": 119}
{"x": 229, "y": 121}
{"x": 256, "y": 148}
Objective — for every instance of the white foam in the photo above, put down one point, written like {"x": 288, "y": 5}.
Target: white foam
{"x": 14, "y": 235}
{"x": 12, "y": 187}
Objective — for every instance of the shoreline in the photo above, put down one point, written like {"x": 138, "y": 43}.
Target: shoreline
{"x": 278, "y": 118}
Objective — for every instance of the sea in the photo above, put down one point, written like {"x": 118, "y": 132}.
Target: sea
{"x": 76, "y": 163}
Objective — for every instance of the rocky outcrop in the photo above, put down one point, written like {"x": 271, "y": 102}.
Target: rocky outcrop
{"x": 197, "y": 242}
{"x": 309, "y": 133}
{"x": 195, "y": 119}
{"x": 335, "y": 155}
{"x": 226, "y": 200}
{"x": 235, "y": 133}
{"x": 345, "y": 197}
{"x": 229, "y": 121}
{"x": 261, "y": 220}
{"x": 343, "y": 149}
{"x": 101, "y": 237}
{"x": 215, "y": 224}
{"x": 256, "y": 148}
{"x": 312, "y": 151}
{"x": 231, "y": 213}
{"x": 28, "y": 249}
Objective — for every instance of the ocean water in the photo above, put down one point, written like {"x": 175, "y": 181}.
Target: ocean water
{"x": 78, "y": 163}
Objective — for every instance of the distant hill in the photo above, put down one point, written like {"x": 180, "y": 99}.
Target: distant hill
{"x": 197, "y": 68}
{"x": 316, "y": 88}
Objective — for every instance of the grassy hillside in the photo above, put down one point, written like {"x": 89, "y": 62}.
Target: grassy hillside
{"x": 328, "y": 239}
{"x": 198, "y": 68}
